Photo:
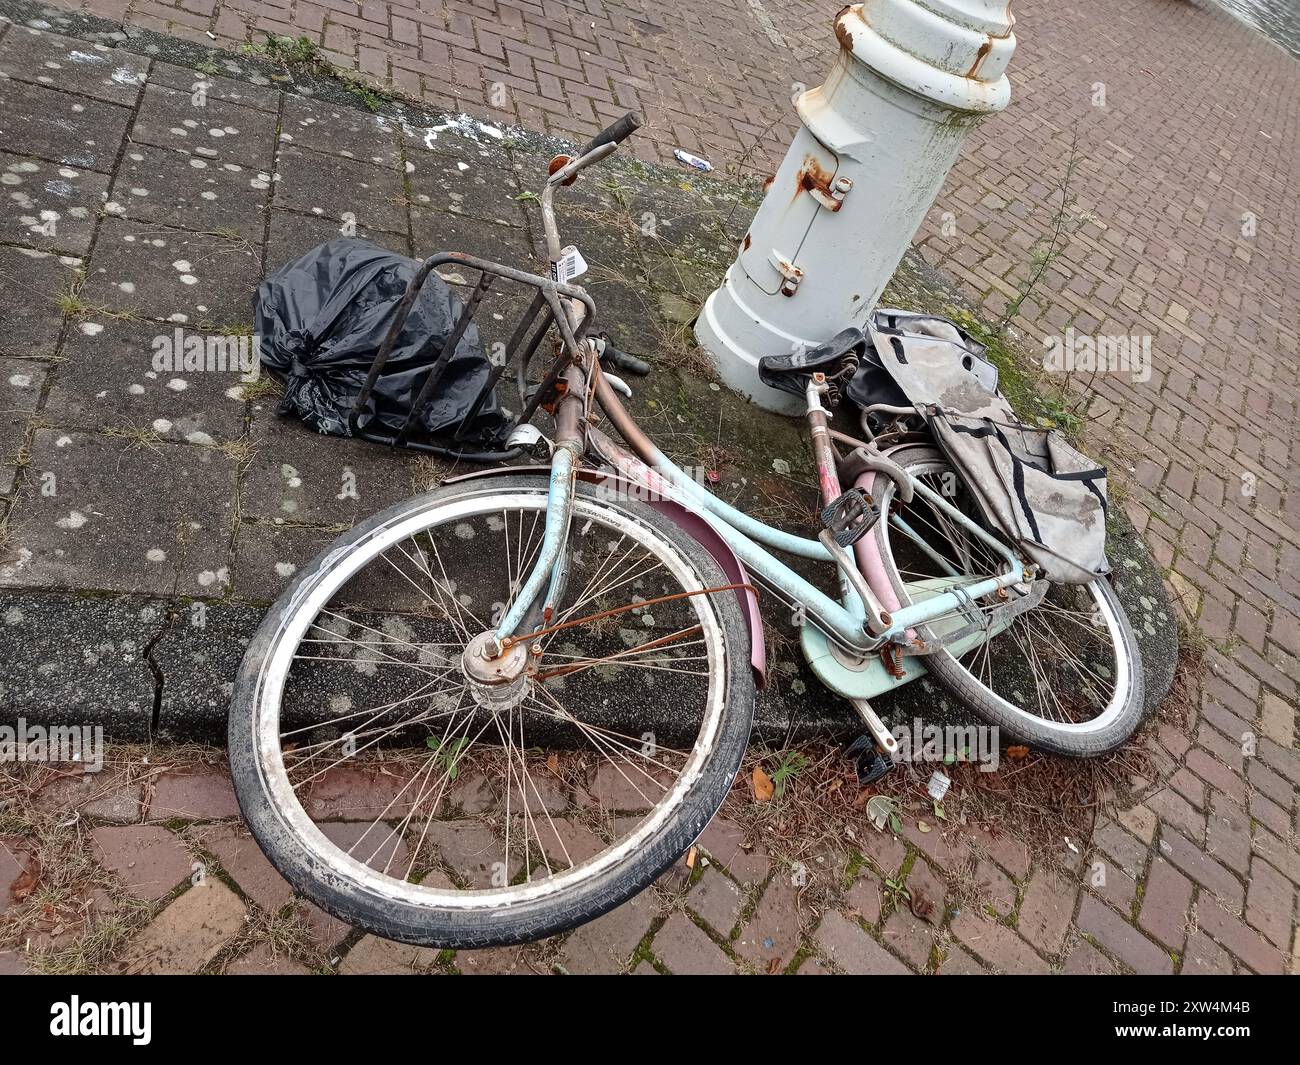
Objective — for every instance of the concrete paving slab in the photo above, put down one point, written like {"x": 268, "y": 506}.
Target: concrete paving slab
{"x": 119, "y": 514}
{"x": 457, "y": 136}
{"x": 80, "y": 25}
{"x": 455, "y": 186}
{"x": 334, "y": 187}
{"x": 32, "y": 283}
{"x": 338, "y": 130}
{"x": 128, "y": 374}
{"x": 530, "y": 155}
{"x": 256, "y": 92}
{"x": 20, "y": 391}
{"x": 49, "y": 206}
{"x": 73, "y": 130}
{"x": 191, "y": 192}
{"x": 294, "y": 477}
{"x": 291, "y": 235}
{"x": 268, "y": 556}
{"x": 194, "y": 122}
{"x": 196, "y": 279}
{"x": 89, "y": 68}
{"x": 436, "y": 231}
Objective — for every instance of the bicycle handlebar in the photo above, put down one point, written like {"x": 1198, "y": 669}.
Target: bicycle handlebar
{"x": 615, "y": 132}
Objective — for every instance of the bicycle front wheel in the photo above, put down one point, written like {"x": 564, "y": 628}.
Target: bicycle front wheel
{"x": 391, "y": 785}
{"x": 1065, "y": 676}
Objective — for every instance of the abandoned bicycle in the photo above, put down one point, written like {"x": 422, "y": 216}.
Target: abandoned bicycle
{"x": 499, "y": 709}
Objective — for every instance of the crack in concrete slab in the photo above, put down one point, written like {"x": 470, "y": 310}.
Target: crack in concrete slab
{"x": 169, "y": 619}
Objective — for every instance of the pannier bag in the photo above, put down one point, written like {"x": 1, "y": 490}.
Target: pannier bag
{"x": 1029, "y": 484}
{"x": 321, "y": 320}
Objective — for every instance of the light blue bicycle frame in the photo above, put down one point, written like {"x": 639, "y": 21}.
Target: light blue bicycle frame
{"x": 842, "y": 622}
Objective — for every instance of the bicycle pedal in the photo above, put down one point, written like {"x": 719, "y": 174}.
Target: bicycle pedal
{"x": 871, "y": 765}
{"x": 850, "y": 517}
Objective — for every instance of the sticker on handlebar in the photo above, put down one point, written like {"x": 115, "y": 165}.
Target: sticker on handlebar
{"x": 569, "y": 265}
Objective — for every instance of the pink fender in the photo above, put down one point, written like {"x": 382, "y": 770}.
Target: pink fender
{"x": 708, "y": 538}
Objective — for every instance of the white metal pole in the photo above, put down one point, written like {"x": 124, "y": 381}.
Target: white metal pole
{"x": 876, "y": 142}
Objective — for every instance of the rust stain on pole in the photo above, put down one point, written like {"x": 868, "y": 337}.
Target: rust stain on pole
{"x": 821, "y": 184}
{"x": 985, "y": 48}
{"x": 811, "y": 176}
{"x": 842, "y": 33}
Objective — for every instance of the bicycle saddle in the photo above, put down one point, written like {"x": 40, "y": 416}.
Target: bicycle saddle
{"x": 790, "y": 373}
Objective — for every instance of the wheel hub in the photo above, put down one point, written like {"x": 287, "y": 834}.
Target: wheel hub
{"x": 496, "y": 682}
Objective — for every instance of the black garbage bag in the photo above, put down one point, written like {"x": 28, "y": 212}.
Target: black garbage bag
{"x": 322, "y": 319}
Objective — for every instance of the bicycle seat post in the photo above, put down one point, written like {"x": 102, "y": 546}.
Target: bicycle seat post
{"x": 852, "y": 583}
{"x": 818, "y": 420}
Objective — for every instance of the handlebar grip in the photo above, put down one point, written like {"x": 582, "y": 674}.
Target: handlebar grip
{"x": 615, "y": 132}
{"x": 621, "y": 360}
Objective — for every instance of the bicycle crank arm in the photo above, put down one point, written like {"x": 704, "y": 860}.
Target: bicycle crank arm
{"x": 884, "y": 739}
{"x": 877, "y": 619}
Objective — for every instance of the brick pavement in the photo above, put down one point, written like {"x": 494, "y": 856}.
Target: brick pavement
{"x": 169, "y": 881}
{"x": 1199, "y": 130}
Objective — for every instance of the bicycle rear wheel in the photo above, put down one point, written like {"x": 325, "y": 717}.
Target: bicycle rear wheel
{"x": 1065, "y": 676}
{"x": 388, "y": 785}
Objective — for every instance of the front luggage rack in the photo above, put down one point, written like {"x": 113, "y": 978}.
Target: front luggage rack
{"x": 546, "y": 306}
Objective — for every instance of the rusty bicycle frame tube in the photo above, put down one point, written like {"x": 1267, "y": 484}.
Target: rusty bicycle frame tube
{"x": 819, "y": 429}
{"x": 854, "y": 588}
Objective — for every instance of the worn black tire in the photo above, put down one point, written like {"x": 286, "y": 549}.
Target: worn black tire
{"x": 1025, "y": 728}
{"x": 358, "y": 904}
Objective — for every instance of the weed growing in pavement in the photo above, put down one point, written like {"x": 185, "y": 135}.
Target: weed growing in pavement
{"x": 791, "y": 764}
{"x": 305, "y": 55}
{"x": 1066, "y": 219}
{"x": 70, "y": 303}
{"x": 136, "y": 437}
{"x": 448, "y": 754}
